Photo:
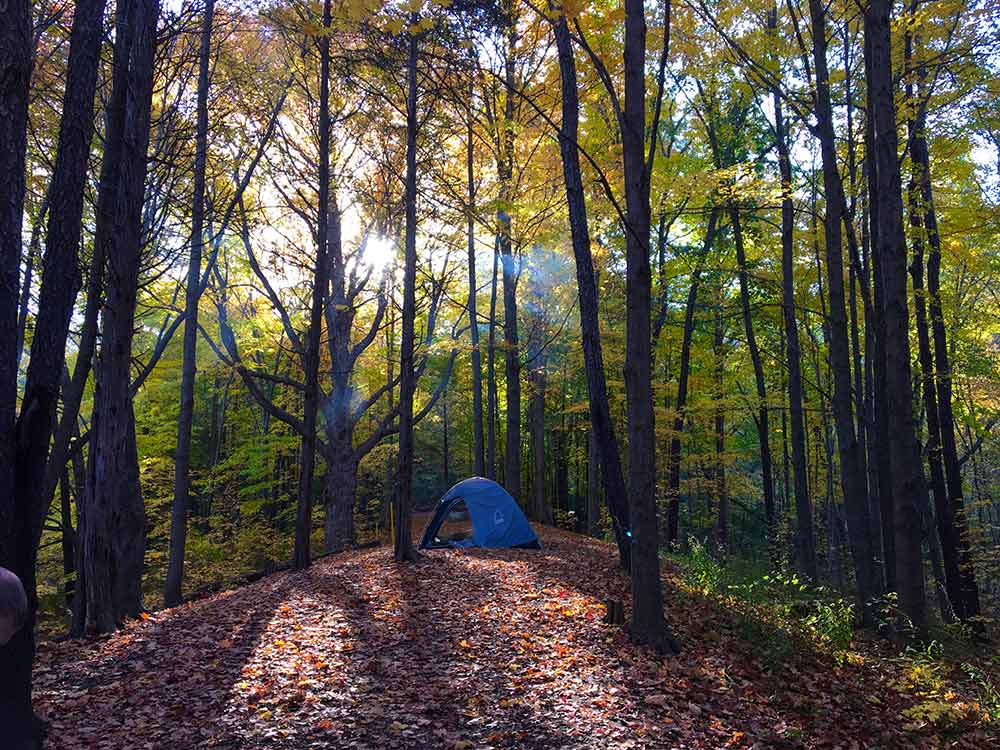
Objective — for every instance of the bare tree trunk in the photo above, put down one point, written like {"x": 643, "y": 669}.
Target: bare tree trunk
{"x": 491, "y": 378}
{"x": 955, "y": 515}
{"x": 404, "y": 490}
{"x": 477, "y": 366}
{"x": 185, "y": 418}
{"x": 763, "y": 430}
{"x": 803, "y": 503}
{"x": 303, "y": 518}
{"x": 674, "y": 476}
{"x": 17, "y": 552}
{"x": 907, "y": 475}
{"x": 648, "y": 624}
{"x": 604, "y": 442}
{"x": 853, "y": 473}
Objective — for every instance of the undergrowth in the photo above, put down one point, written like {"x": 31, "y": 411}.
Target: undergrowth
{"x": 951, "y": 679}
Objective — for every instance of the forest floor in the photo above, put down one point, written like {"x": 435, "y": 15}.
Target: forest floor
{"x": 468, "y": 650}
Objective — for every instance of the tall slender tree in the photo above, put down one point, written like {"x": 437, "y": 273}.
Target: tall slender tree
{"x": 403, "y": 549}
{"x": 114, "y": 533}
{"x": 648, "y": 623}
{"x": 907, "y": 473}
{"x": 192, "y": 295}
{"x": 303, "y": 522}
{"x": 803, "y": 503}
{"x": 852, "y": 468}
{"x": 603, "y": 429}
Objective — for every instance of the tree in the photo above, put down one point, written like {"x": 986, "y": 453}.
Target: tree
{"x": 803, "y": 504}
{"x": 603, "y": 430}
{"x": 907, "y": 473}
{"x": 114, "y": 533}
{"x": 407, "y": 381}
{"x": 16, "y": 528}
{"x": 192, "y": 295}
{"x": 852, "y": 471}
{"x": 648, "y": 624}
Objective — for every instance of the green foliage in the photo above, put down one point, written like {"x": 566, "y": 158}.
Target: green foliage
{"x": 702, "y": 571}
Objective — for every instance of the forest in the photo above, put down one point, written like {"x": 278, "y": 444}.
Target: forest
{"x": 711, "y": 288}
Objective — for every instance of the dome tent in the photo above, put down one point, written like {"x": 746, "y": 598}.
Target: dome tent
{"x": 495, "y": 517}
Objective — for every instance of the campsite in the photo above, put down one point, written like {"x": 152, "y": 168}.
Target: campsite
{"x": 499, "y": 374}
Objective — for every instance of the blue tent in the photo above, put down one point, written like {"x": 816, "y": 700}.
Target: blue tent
{"x": 496, "y": 519}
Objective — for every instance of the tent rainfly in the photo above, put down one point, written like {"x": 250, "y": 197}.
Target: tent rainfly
{"x": 495, "y": 517}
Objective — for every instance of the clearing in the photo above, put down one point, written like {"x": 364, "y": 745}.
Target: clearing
{"x": 468, "y": 649}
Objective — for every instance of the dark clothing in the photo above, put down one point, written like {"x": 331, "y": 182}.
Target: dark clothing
{"x": 19, "y": 729}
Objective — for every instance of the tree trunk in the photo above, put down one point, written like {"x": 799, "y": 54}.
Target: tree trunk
{"x": 512, "y": 358}
{"x": 674, "y": 477}
{"x": 722, "y": 522}
{"x": 805, "y": 539}
{"x": 303, "y": 518}
{"x": 404, "y": 490}
{"x": 541, "y": 509}
{"x": 603, "y": 438}
{"x": 114, "y": 544}
{"x": 477, "y": 367}
{"x": 593, "y": 485}
{"x": 955, "y": 516}
{"x": 67, "y": 535}
{"x": 32, "y": 259}
{"x": 60, "y": 282}
{"x": 491, "y": 378}
{"x": 17, "y": 553}
{"x": 907, "y": 475}
{"x": 341, "y": 488}
{"x": 185, "y": 418}
{"x": 763, "y": 430}
{"x": 853, "y": 473}
{"x": 881, "y": 420}
{"x": 648, "y": 624}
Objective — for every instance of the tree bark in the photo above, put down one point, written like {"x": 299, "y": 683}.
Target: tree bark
{"x": 404, "y": 490}
{"x": 648, "y": 624}
{"x": 303, "y": 518}
{"x": 477, "y": 366}
{"x": 907, "y": 475}
{"x": 114, "y": 544}
{"x": 805, "y": 538}
{"x": 853, "y": 474}
{"x": 605, "y": 442}
{"x": 674, "y": 476}
{"x": 17, "y": 553}
{"x": 185, "y": 418}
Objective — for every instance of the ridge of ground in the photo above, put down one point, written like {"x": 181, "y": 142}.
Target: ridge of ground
{"x": 464, "y": 650}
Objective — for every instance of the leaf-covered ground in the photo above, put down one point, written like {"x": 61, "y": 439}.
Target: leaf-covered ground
{"x": 467, "y": 649}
